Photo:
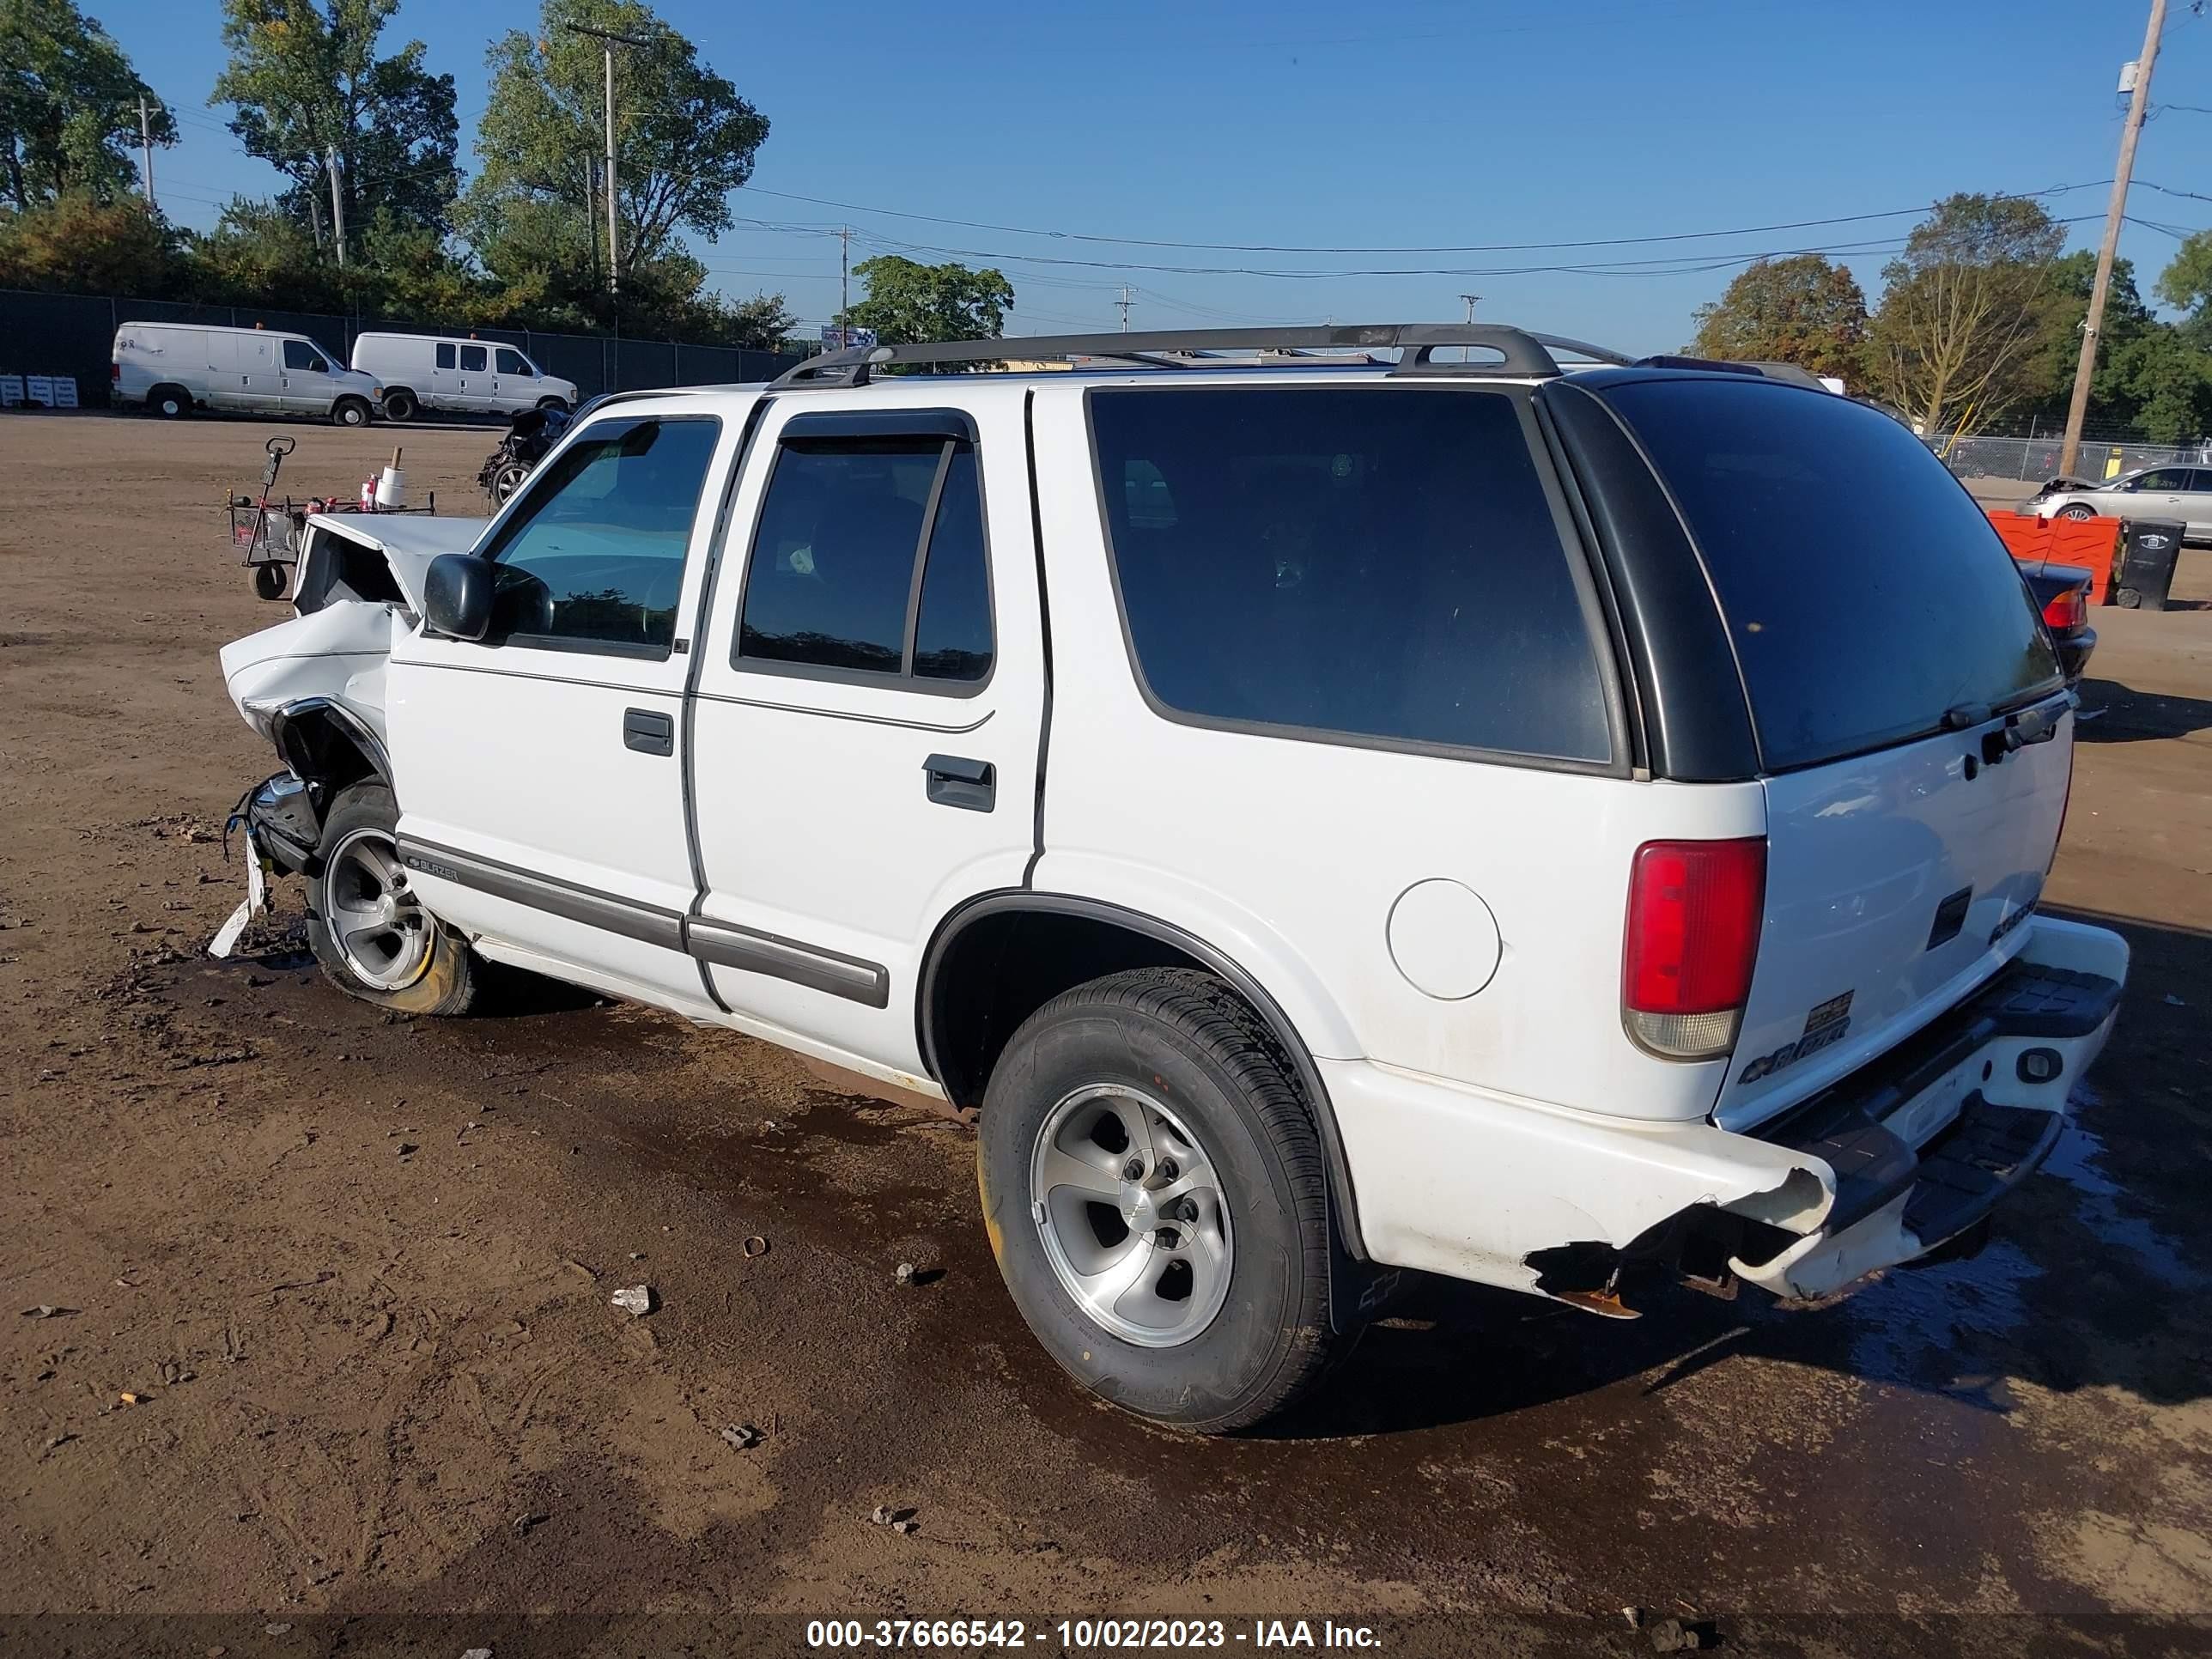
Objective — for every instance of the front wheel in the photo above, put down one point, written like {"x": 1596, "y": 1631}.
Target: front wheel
{"x": 170, "y": 403}
{"x": 556, "y": 405}
{"x": 400, "y": 406}
{"x": 1154, "y": 1189}
{"x": 2077, "y": 513}
{"x": 369, "y": 932}
{"x": 509, "y": 479}
{"x": 349, "y": 411}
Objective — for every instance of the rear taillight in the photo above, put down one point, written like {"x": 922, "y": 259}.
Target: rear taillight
{"x": 2067, "y": 611}
{"x": 1694, "y": 909}
{"x": 115, "y": 371}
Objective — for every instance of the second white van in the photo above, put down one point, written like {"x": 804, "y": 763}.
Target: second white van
{"x": 465, "y": 376}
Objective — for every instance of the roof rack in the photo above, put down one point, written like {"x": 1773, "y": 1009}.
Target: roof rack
{"x": 1520, "y": 352}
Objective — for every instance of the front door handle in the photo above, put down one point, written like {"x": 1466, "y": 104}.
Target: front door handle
{"x": 955, "y": 781}
{"x": 648, "y": 731}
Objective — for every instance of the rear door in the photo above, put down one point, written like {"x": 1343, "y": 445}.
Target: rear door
{"x": 1894, "y": 668}
{"x": 2196, "y": 501}
{"x": 868, "y": 707}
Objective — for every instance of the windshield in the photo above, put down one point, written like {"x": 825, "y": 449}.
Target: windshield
{"x": 1865, "y": 593}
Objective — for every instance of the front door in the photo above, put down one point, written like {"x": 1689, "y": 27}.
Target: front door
{"x": 304, "y": 377}
{"x": 868, "y": 707}
{"x": 540, "y": 769}
{"x": 513, "y": 386}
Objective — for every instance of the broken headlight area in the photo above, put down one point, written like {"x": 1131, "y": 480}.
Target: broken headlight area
{"x": 282, "y": 821}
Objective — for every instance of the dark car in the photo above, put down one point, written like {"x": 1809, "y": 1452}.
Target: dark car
{"x": 2062, "y": 593}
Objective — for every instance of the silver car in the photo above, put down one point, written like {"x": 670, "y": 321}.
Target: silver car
{"x": 2156, "y": 492}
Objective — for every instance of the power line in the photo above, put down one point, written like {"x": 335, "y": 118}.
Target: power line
{"x": 1484, "y": 247}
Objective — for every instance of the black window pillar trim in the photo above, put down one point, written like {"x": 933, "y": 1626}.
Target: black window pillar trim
{"x": 1343, "y": 1204}
{"x": 1044, "y": 623}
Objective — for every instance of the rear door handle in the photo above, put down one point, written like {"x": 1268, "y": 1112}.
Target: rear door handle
{"x": 648, "y": 731}
{"x": 957, "y": 780}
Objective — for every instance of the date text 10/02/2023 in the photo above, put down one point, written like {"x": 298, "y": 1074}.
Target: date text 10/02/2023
{"x": 1126, "y": 1635}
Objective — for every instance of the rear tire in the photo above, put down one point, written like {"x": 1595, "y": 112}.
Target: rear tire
{"x": 400, "y": 406}
{"x": 1155, "y": 1192}
{"x": 508, "y": 480}
{"x": 2077, "y": 512}
{"x": 350, "y": 411}
{"x": 170, "y": 403}
{"x": 372, "y": 936}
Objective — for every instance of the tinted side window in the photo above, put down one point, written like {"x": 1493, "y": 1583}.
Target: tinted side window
{"x": 510, "y": 362}
{"x": 832, "y": 581}
{"x": 1381, "y": 563}
{"x": 445, "y": 354}
{"x": 1865, "y": 592}
{"x": 952, "y": 626}
{"x": 473, "y": 358}
{"x": 2166, "y": 479}
{"x": 298, "y": 353}
{"x": 593, "y": 556}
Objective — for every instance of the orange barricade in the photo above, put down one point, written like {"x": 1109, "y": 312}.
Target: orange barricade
{"x": 2092, "y": 544}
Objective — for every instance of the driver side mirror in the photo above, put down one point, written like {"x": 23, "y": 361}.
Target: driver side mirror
{"x": 457, "y": 596}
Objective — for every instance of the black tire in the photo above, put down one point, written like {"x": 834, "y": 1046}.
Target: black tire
{"x": 447, "y": 981}
{"x": 170, "y": 403}
{"x": 1184, "y": 1038}
{"x": 400, "y": 405}
{"x": 2077, "y": 512}
{"x": 352, "y": 411}
{"x": 561, "y": 404}
{"x": 508, "y": 480}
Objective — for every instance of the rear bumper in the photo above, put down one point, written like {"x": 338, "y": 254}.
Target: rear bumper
{"x": 1904, "y": 1155}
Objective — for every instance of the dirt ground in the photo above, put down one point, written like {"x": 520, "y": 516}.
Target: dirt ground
{"x": 354, "y": 1272}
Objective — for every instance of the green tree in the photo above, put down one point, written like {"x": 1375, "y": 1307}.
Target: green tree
{"x": 259, "y": 254}
{"x": 69, "y": 106}
{"x": 684, "y": 139}
{"x": 78, "y": 243}
{"x": 1802, "y": 310}
{"x": 2186, "y": 284}
{"x": 907, "y": 301}
{"x": 1959, "y": 309}
{"x": 306, "y": 79}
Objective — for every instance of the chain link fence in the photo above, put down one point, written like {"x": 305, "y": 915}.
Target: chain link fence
{"x": 74, "y": 334}
{"x": 2032, "y": 455}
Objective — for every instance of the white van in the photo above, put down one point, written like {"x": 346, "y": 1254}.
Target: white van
{"x": 174, "y": 368}
{"x": 467, "y": 376}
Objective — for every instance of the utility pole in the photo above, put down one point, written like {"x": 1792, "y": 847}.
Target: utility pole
{"x": 609, "y": 40}
{"x": 844, "y": 277}
{"x": 2085, "y": 371}
{"x": 1124, "y": 303}
{"x": 1470, "y": 299}
{"x": 145, "y": 154}
{"x": 337, "y": 203}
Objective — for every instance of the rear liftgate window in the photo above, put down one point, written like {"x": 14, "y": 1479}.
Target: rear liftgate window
{"x": 1865, "y": 592}
{"x": 1379, "y": 564}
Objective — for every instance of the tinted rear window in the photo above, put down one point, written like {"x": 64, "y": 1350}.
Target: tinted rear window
{"x": 1379, "y": 563}
{"x": 1865, "y": 592}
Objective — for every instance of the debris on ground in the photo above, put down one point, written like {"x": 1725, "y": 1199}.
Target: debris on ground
{"x": 476, "y": 1653}
{"x": 905, "y": 1273}
{"x": 899, "y": 1520}
{"x": 523, "y": 1523}
{"x": 743, "y": 1435}
{"x": 47, "y": 1310}
{"x": 1681, "y": 1635}
{"x": 1635, "y": 1617}
{"x": 274, "y": 1630}
{"x": 636, "y": 1300}
{"x": 881, "y": 1517}
{"x": 754, "y": 1245}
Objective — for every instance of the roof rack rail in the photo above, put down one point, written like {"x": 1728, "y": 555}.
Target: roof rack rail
{"x": 1520, "y": 352}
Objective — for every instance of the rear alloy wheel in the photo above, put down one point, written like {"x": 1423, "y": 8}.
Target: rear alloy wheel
{"x": 399, "y": 406}
{"x": 1154, "y": 1190}
{"x": 508, "y": 480}
{"x": 349, "y": 411}
{"x": 170, "y": 403}
{"x": 369, "y": 931}
{"x": 2077, "y": 512}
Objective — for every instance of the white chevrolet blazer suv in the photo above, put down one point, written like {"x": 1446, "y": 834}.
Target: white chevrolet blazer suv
{"x": 1330, "y": 811}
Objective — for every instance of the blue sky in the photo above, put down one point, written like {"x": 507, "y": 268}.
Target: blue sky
{"x": 1397, "y": 124}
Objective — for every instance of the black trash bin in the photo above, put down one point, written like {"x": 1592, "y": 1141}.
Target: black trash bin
{"x": 2147, "y": 549}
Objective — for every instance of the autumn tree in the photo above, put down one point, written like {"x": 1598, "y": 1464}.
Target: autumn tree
{"x": 1959, "y": 309}
{"x": 908, "y": 301}
{"x": 306, "y": 80}
{"x": 75, "y": 244}
{"x": 1802, "y": 310}
{"x": 69, "y": 107}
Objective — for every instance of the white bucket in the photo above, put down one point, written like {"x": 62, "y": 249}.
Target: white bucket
{"x": 392, "y": 488}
